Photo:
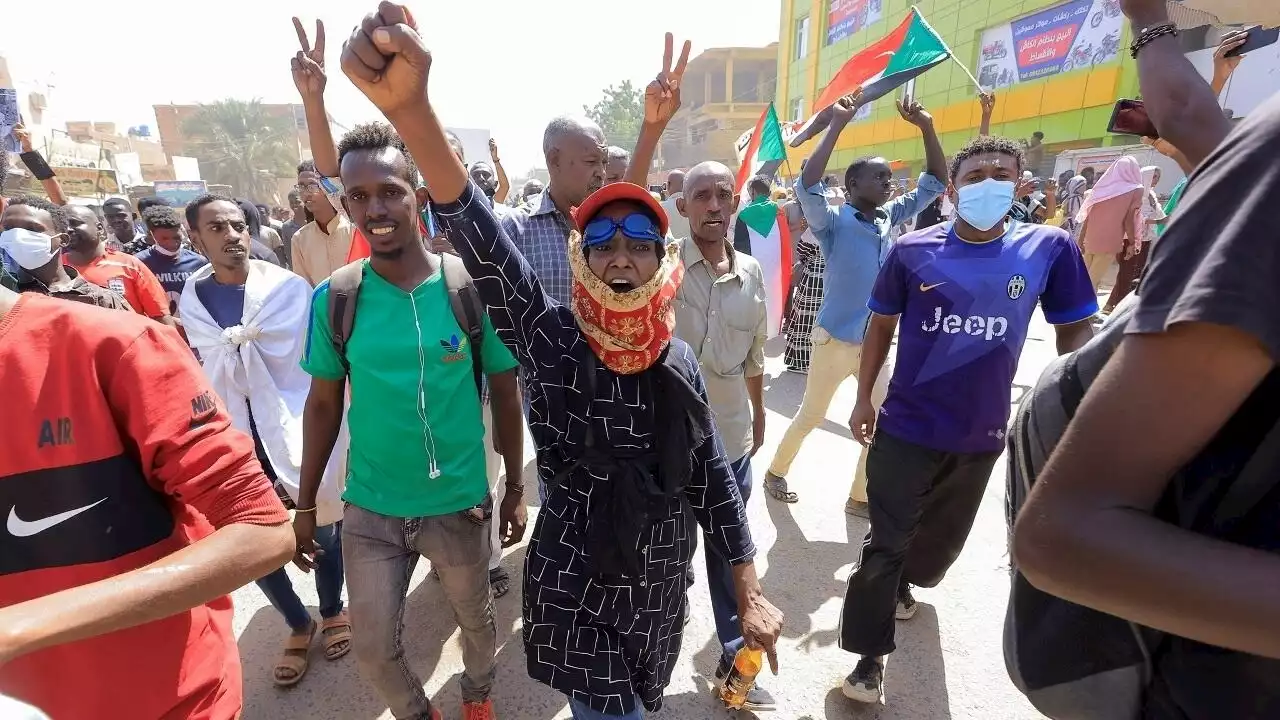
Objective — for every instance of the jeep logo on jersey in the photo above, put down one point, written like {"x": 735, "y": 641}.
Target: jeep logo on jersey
{"x": 975, "y": 325}
{"x": 1017, "y": 284}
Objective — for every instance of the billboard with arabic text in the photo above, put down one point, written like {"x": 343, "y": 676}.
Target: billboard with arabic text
{"x": 1070, "y": 36}
{"x": 846, "y": 17}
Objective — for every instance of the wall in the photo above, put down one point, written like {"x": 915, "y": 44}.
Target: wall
{"x": 1071, "y": 108}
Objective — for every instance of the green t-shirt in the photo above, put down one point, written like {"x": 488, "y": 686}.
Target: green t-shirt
{"x": 405, "y": 346}
{"x": 1175, "y": 197}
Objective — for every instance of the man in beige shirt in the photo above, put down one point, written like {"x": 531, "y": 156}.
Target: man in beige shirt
{"x": 321, "y": 246}
{"x": 720, "y": 312}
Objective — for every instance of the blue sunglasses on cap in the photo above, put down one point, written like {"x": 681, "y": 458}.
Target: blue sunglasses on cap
{"x": 636, "y": 226}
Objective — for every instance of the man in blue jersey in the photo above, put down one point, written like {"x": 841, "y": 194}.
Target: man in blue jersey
{"x": 964, "y": 292}
{"x": 168, "y": 257}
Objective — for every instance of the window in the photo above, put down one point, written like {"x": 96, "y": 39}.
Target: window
{"x": 797, "y": 109}
{"x": 802, "y": 37}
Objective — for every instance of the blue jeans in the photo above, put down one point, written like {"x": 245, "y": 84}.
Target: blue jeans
{"x": 580, "y": 711}
{"x": 328, "y": 571}
{"x": 724, "y": 599}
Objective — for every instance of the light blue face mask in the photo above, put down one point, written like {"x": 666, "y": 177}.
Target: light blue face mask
{"x": 983, "y": 205}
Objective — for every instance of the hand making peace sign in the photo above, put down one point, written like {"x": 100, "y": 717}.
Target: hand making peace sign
{"x": 308, "y": 64}
{"x": 662, "y": 97}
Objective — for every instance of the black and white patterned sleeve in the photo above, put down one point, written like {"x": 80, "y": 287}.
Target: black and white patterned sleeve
{"x": 713, "y": 493}
{"x": 523, "y": 314}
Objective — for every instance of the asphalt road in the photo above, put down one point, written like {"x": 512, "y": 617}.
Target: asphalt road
{"x": 949, "y": 664}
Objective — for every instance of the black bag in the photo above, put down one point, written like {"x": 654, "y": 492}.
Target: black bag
{"x": 1072, "y": 662}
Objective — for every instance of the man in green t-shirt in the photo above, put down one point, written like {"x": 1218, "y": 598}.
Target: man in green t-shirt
{"x": 417, "y": 459}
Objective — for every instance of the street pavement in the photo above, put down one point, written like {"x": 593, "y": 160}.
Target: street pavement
{"x": 948, "y": 666}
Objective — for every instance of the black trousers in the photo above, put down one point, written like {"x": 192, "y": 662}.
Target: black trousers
{"x": 922, "y": 505}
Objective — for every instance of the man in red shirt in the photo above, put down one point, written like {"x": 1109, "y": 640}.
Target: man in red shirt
{"x": 131, "y": 508}
{"x": 88, "y": 253}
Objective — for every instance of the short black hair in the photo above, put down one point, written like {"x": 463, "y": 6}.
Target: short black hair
{"x": 376, "y": 136}
{"x": 57, "y": 212}
{"x": 984, "y": 145}
{"x": 759, "y": 186}
{"x": 147, "y": 203}
{"x": 161, "y": 216}
{"x": 118, "y": 201}
{"x": 1089, "y": 170}
{"x": 193, "y": 207}
{"x": 251, "y": 217}
{"x": 1037, "y": 135}
{"x": 307, "y": 166}
{"x": 854, "y": 168}
{"x": 294, "y": 195}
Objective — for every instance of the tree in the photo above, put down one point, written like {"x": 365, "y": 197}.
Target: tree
{"x": 619, "y": 114}
{"x": 242, "y": 145}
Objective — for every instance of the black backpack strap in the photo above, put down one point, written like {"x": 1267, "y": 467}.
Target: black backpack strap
{"x": 344, "y": 290}
{"x": 1257, "y": 478}
{"x": 467, "y": 308}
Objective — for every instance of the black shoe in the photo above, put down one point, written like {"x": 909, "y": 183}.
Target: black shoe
{"x": 757, "y": 697}
{"x": 906, "y": 604}
{"x": 866, "y": 683}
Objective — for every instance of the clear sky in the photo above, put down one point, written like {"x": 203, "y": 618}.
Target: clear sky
{"x": 500, "y": 64}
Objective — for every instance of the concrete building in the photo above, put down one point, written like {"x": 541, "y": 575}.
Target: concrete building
{"x": 1058, "y": 67}
{"x": 723, "y": 93}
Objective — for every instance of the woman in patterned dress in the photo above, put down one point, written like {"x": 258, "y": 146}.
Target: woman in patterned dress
{"x": 805, "y": 303}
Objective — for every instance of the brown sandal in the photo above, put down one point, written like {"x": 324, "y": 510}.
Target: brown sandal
{"x": 294, "y": 659}
{"x": 337, "y": 636}
{"x": 777, "y": 489}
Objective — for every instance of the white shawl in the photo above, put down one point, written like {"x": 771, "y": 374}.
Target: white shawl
{"x": 257, "y": 361}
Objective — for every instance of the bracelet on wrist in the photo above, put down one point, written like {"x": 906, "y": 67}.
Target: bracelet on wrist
{"x": 305, "y": 510}
{"x": 515, "y": 488}
{"x": 1147, "y": 35}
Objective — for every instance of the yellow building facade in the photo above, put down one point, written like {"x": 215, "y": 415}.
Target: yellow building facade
{"x": 1058, "y": 68}
{"x": 723, "y": 93}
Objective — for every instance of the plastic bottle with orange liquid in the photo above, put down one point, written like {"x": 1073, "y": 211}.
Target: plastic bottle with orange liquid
{"x": 742, "y": 677}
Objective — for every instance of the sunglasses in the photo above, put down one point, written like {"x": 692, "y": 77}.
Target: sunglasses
{"x": 636, "y": 226}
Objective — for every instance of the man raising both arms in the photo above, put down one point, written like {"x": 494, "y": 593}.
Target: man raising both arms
{"x": 965, "y": 292}
{"x": 133, "y": 509}
{"x": 854, "y": 238}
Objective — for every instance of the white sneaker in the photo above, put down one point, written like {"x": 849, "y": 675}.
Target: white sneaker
{"x": 866, "y": 683}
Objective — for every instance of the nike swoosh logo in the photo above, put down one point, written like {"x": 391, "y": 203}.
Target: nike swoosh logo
{"x": 21, "y": 528}
{"x": 927, "y": 288}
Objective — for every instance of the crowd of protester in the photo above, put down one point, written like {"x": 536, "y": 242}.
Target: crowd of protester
{"x": 157, "y": 438}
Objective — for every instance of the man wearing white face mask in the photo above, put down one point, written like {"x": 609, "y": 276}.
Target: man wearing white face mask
{"x": 31, "y": 241}
{"x": 965, "y": 292}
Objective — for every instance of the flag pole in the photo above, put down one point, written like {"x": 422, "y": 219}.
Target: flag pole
{"x": 950, "y": 54}
{"x": 970, "y": 74}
